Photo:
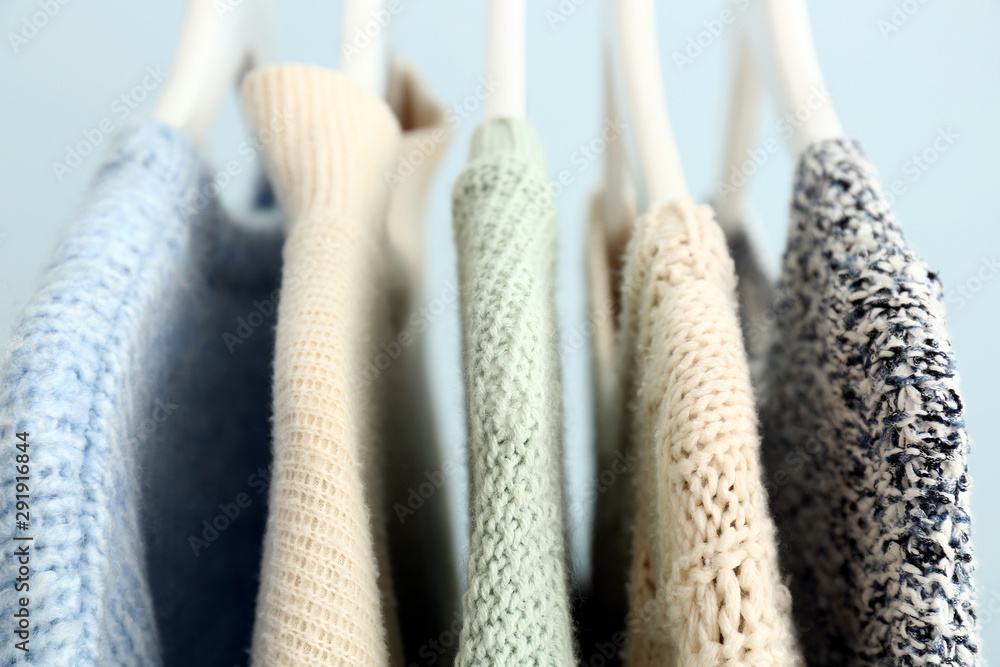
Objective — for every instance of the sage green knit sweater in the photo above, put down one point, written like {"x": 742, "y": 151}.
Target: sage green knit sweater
{"x": 516, "y": 607}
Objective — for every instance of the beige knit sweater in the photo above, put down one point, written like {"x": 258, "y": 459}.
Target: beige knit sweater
{"x": 614, "y": 504}
{"x": 424, "y": 571}
{"x": 704, "y": 587}
{"x": 330, "y": 147}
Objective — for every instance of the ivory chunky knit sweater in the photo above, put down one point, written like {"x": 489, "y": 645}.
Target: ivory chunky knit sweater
{"x": 140, "y": 370}
{"x": 865, "y": 440}
{"x": 516, "y": 605}
{"x": 325, "y": 595}
{"x": 705, "y": 587}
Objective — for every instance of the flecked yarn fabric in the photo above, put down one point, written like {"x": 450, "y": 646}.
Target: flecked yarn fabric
{"x": 704, "y": 586}
{"x": 516, "y": 608}
{"x": 865, "y": 440}
{"x": 140, "y": 368}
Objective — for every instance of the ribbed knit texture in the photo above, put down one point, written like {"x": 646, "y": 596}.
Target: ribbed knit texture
{"x": 705, "y": 587}
{"x": 147, "y": 404}
{"x": 865, "y": 439}
{"x": 516, "y": 606}
{"x": 326, "y": 596}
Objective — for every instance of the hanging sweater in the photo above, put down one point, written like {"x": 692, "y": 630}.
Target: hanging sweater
{"x": 516, "y": 606}
{"x": 140, "y": 371}
{"x": 415, "y": 481}
{"x": 614, "y": 506}
{"x": 326, "y": 594}
{"x": 865, "y": 440}
{"x": 755, "y": 290}
{"x": 704, "y": 587}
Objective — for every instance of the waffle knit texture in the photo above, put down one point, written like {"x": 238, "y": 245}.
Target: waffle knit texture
{"x": 140, "y": 369}
{"x": 704, "y": 587}
{"x": 865, "y": 438}
{"x": 516, "y": 605}
{"x": 325, "y": 594}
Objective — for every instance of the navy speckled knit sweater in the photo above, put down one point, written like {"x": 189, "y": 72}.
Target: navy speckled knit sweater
{"x": 865, "y": 443}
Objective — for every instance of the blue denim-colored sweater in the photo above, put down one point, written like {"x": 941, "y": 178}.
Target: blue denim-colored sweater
{"x": 140, "y": 369}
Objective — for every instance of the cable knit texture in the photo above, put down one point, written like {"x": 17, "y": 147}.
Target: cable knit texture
{"x": 146, "y": 396}
{"x": 705, "y": 588}
{"x": 866, "y": 443}
{"x": 516, "y": 606}
{"x": 326, "y": 595}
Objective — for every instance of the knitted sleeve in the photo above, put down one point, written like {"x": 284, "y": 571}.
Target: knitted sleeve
{"x": 865, "y": 432}
{"x": 75, "y": 378}
{"x": 325, "y": 595}
{"x": 705, "y": 587}
{"x": 516, "y": 606}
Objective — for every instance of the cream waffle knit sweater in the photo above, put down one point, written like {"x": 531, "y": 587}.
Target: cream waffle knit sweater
{"x": 324, "y": 599}
{"x": 705, "y": 586}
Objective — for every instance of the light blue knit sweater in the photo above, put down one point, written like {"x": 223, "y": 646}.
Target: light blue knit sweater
{"x": 144, "y": 417}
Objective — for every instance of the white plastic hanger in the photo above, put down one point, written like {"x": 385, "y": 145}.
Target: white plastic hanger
{"x": 740, "y": 138}
{"x": 367, "y": 61}
{"x": 505, "y": 47}
{"x": 776, "y": 41}
{"x": 783, "y": 45}
{"x": 219, "y": 43}
{"x": 637, "y": 66}
{"x": 615, "y": 208}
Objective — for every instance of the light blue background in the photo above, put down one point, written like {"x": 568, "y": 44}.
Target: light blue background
{"x": 894, "y": 91}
